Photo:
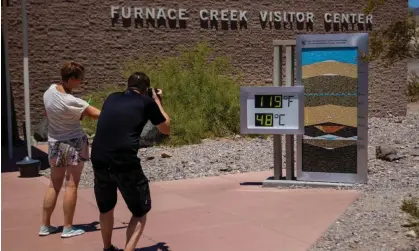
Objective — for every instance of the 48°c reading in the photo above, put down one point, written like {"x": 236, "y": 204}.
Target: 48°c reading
{"x": 267, "y": 119}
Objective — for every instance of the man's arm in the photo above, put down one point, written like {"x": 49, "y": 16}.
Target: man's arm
{"x": 159, "y": 117}
{"x": 165, "y": 126}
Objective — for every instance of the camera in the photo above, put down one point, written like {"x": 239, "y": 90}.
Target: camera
{"x": 150, "y": 92}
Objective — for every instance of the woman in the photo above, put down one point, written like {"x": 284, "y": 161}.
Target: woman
{"x": 68, "y": 146}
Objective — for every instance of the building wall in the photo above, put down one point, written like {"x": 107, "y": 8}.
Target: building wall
{"x": 82, "y": 30}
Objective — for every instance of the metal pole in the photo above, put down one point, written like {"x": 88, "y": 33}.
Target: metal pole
{"x": 277, "y": 79}
{"x": 289, "y": 139}
{"x": 26, "y": 79}
{"x": 8, "y": 82}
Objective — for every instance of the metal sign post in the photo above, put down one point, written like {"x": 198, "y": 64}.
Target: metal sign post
{"x": 279, "y": 46}
{"x": 26, "y": 80}
{"x": 277, "y": 81}
{"x": 28, "y": 167}
{"x": 289, "y": 139}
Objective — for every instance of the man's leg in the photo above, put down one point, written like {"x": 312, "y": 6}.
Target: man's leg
{"x": 134, "y": 231}
{"x": 106, "y": 198}
{"x": 106, "y": 228}
{"x": 136, "y": 193}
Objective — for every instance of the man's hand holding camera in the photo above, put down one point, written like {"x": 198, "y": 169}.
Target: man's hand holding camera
{"x": 156, "y": 95}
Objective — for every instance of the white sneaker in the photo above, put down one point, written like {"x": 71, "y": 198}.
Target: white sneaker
{"x": 71, "y": 232}
{"x": 47, "y": 230}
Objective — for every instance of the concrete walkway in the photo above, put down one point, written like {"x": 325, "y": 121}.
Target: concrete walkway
{"x": 209, "y": 214}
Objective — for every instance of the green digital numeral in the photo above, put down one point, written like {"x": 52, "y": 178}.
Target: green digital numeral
{"x": 268, "y": 101}
{"x": 264, "y": 119}
{"x": 278, "y": 102}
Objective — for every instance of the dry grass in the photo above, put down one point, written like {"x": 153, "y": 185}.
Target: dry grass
{"x": 413, "y": 87}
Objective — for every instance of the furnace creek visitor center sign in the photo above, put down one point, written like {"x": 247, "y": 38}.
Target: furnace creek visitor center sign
{"x": 232, "y": 15}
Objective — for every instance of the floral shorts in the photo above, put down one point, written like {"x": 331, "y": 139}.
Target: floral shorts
{"x": 69, "y": 152}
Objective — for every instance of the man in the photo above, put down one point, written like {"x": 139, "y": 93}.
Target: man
{"x": 114, "y": 156}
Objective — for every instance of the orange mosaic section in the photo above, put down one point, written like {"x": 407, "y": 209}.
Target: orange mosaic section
{"x": 329, "y": 129}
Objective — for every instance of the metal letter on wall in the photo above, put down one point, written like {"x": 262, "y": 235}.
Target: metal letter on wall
{"x": 335, "y": 79}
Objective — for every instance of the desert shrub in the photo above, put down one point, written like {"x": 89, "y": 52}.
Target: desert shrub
{"x": 411, "y": 207}
{"x": 96, "y": 99}
{"x": 413, "y": 87}
{"x": 200, "y": 93}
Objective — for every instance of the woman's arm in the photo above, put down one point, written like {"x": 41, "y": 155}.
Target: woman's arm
{"x": 91, "y": 112}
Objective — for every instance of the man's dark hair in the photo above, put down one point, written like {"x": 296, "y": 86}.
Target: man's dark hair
{"x": 140, "y": 81}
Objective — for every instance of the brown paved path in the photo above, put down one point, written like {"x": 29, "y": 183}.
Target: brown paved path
{"x": 210, "y": 214}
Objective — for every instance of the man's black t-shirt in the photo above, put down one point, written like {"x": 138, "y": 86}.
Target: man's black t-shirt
{"x": 119, "y": 127}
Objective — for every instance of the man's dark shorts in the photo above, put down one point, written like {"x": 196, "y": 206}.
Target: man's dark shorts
{"x": 131, "y": 182}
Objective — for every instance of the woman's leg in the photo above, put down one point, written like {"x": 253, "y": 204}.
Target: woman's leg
{"x": 70, "y": 197}
{"x": 50, "y": 199}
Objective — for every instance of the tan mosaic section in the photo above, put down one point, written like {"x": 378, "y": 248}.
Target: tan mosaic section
{"x": 330, "y": 113}
{"x": 330, "y": 68}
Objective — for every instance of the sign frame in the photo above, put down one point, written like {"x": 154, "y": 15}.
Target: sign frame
{"x": 246, "y": 92}
{"x": 360, "y": 41}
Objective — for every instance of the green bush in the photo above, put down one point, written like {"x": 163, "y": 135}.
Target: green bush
{"x": 413, "y": 87}
{"x": 200, "y": 94}
{"x": 96, "y": 100}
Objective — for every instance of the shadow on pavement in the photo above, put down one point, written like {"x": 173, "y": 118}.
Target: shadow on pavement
{"x": 161, "y": 246}
{"x": 90, "y": 227}
{"x": 250, "y": 183}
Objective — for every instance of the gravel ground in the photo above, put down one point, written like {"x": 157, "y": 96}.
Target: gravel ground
{"x": 211, "y": 158}
{"x": 372, "y": 223}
